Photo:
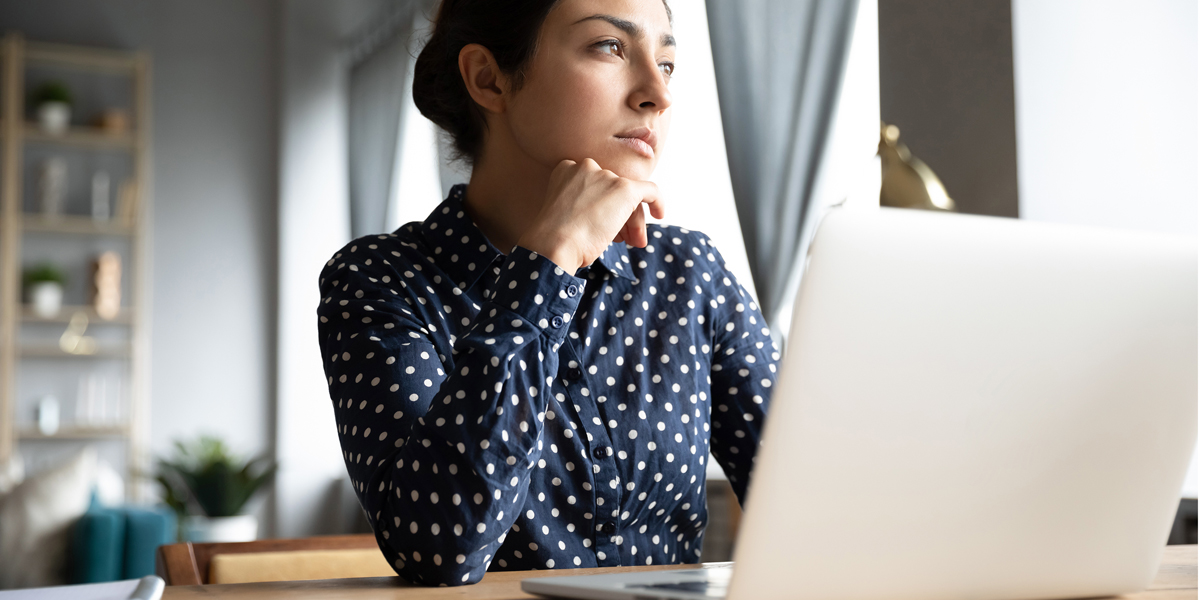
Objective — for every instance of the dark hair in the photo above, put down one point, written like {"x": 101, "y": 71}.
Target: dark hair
{"x": 508, "y": 28}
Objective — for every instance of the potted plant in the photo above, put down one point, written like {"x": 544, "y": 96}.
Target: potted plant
{"x": 208, "y": 487}
{"x": 52, "y": 101}
{"x": 44, "y": 290}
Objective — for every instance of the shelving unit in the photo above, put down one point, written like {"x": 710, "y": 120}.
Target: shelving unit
{"x": 82, "y": 137}
{"x": 76, "y": 433}
{"x": 20, "y": 227}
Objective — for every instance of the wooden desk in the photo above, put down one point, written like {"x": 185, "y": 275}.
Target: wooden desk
{"x": 1176, "y": 580}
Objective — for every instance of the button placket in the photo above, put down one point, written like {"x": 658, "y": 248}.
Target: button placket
{"x": 599, "y": 442}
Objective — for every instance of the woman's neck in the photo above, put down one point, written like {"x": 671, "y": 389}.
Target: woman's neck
{"x": 506, "y": 190}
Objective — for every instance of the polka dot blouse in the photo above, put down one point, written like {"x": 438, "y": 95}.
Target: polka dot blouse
{"x": 495, "y": 411}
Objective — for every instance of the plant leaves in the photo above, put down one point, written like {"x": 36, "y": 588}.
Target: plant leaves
{"x": 218, "y": 482}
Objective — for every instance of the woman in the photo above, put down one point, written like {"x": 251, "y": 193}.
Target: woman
{"x": 533, "y": 377}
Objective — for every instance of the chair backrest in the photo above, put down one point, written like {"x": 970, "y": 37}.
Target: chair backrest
{"x": 188, "y": 563}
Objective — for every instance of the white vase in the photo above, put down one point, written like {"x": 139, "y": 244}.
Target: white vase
{"x": 240, "y": 528}
{"x": 46, "y": 297}
{"x": 54, "y": 117}
{"x": 47, "y": 415}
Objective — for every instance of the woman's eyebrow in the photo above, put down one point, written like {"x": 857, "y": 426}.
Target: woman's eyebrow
{"x": 629, "y": 27}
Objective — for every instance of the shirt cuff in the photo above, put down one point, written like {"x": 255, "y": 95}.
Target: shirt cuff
{"x": 538, "y": 290}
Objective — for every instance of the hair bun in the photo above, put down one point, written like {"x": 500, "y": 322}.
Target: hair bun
{"x": 507, "y": 28}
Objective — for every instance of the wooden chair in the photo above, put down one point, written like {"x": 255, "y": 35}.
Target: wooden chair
{"x": 190, "y": 563}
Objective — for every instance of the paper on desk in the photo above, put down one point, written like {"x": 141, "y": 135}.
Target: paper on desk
{"x": 146, "y": 588}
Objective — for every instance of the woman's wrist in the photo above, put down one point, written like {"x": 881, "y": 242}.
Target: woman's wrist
{"x": 557, "y": 252}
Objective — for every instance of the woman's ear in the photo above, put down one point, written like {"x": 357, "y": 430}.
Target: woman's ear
{"x": 485, "y": 82}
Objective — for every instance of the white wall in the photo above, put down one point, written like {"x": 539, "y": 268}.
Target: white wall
{"x": 213, "y": 250}
{"x": 1106, "y": 112}
{"x": 1107, "y": 115}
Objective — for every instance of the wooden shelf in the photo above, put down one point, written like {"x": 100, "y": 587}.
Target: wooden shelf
{"x": 76, "y": 433}
{"x": 64, "y": 316}
{"x": 74, "y": 224}
{"x": 85, "y": 137}
{"x": 53, "y": 351}
{"x": 79, "y": 57}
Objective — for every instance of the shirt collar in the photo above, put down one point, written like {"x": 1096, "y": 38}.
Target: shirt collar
{"x": 464, "y": 253}
{"x": 615, "y": 258}
{"x": 458, "y": 247}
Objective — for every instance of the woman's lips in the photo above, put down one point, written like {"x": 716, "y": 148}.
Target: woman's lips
{"x": 638, "y": 145}
{"x": 642, "y": 140}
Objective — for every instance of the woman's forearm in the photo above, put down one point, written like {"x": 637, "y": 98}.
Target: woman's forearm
{"x": 448, "y": 445}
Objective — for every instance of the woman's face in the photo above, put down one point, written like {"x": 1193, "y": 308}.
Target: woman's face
{"x": 597, "y": 86}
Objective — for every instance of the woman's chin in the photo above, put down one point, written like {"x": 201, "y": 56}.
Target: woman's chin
{"x": 639, "y": 168}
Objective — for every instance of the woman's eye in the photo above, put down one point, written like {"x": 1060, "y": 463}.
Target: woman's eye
{"x": 668, "y": 68}
{"x": 613, "y": 45}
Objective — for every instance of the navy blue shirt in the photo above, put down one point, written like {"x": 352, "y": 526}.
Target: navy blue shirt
{"x": 495, "y": 411}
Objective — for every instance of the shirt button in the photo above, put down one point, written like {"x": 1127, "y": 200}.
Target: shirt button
{"x": 600, "y": 453}
{"x": 609, "y": 528}
{"x": 572, "y": 290}
{"x": 556, "y": 322}
{"x": 574, "y": 374}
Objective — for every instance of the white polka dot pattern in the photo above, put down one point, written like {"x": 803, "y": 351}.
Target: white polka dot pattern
{"x": 497, "y": 412}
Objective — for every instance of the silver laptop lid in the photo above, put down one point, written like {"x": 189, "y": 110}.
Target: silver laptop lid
{"x": 975, "y": 407}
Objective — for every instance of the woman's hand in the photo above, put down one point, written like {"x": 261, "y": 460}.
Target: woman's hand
{"x": 586, "y": 209}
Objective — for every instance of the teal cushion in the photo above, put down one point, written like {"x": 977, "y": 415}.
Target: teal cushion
{"x": 146, "y": 528}
{"x": 113, "y": 543}
{"x": 98, "y": 546}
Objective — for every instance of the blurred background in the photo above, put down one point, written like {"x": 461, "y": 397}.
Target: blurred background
{"x": 176, "y": 173}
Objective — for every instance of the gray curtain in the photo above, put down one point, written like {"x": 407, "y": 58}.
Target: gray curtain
{"x": 380, "y": 58}
{"x": 779, "y": 66}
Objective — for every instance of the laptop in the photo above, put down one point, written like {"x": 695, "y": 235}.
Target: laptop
{"x": 968, "y": 407}
{"x": 149, "y": 587}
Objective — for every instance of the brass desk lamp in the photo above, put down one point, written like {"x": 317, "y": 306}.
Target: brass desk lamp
{"x": 908, "y": 182}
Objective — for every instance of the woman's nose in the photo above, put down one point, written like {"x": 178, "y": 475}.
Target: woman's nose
{"x": 651, "y": 92}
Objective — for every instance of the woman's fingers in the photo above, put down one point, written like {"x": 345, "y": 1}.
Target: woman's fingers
{"x": 634, "y": 230}
{"x": 651, "y": 197}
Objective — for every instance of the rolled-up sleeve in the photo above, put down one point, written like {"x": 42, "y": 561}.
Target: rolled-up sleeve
{"x": 440, "y": 448}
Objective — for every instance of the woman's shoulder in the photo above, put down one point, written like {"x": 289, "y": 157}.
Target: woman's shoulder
{"x": 400, "y": 246}
{"x": 377, "y": 255}
{"x": 679, "y": 244}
